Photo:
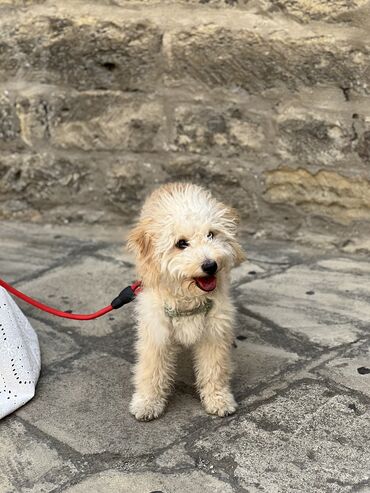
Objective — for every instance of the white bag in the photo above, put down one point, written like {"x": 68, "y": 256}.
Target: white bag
{"x": 20, "y": 360}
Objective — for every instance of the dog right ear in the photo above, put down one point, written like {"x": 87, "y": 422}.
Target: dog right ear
{"x": 140, "y": 241}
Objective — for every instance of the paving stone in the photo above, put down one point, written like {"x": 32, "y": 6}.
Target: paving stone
{"x": 121, "y": 341}
{"x": 293, "y": 408}
{"x": 344, "y": 370}
{"x": 312, "y": 436}
{"x": 86, "y": 407}
{"x": 355, "y": 267}
{"x": 25, "y": 254}
{"x": 362, "y": 489}
{"x": 260, "y": 332}
{"x": 28, "y": 464}
{"x": 118, "y": 253}
{"x": 264, "y": 251}
{"x": 175, "y": 456}
{"x": 308, "y": 440}
{"x": 85, "y": 287}
{"x": 148, "y": 482}
{"x": 257, "y": 364}
{"x": 56, "y": 345}
{"x": 254, "y": 365}
{"x": 265, "y": 258}
{"x": 246, "y": 271}
{"x": 327, "y": 307}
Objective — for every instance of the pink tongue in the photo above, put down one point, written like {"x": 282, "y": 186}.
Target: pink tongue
{"x": 207, "y": 283}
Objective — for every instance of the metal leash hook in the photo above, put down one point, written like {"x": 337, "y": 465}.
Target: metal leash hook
{"x": 125, "y": 296}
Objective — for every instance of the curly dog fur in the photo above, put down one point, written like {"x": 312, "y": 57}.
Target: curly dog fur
{"x": 185, "y": 246}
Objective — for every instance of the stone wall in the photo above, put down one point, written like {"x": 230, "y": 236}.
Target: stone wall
{"x": 266, "y": 102}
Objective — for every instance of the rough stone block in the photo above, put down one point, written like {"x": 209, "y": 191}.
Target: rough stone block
{"x": 9, "y": 125}
{"x": 89, "y": 121}
{"x": 221, "y": 131}
{"x": 105, "y": 121}
{"x": 218, "y": 175}
{"x": 80, "y": 48}
{"x": 128, "y": 182}
{"x": 22, "y": 3}
{"x": 41, "y": 178}
{"x": 317, "y": 137}
{"x": 257, "y": 56}
{"x": 343, "y": 199}
{"x": 316, "y": 10}
{"x": 99, "y": 185}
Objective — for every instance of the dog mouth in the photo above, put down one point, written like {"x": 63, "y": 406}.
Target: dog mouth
{"x": 206, "y": 283}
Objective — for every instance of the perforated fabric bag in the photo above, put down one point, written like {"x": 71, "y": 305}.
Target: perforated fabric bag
{"x": 20, "y": 360}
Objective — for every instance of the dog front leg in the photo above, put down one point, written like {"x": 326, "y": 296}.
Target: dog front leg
{"x": 213, "y": 373}
{"x": 153, "y": 376}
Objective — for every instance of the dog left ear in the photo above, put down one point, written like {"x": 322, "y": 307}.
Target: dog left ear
{"x": 232, "y": 215}
{"x": 238, "y": 253}
{"x": 232, "y": 220}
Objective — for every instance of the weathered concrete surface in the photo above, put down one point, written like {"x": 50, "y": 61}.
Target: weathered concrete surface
{"x": 138, "y": 483}
{"x": 302, "y": 376}
{"x": 266, "y": 102}
{"x": 28, "y": 462}
{"x": 299, "y": 300}
{"x": 305, "y": 440}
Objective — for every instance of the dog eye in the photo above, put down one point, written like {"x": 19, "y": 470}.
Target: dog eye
{"x": 211, "y": 235}
{"x": 182, "y": 244}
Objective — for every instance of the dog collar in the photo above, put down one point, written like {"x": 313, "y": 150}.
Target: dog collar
{"x": 203, "y": 308}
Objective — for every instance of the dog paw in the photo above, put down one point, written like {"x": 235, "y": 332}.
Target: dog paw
{"x": 222, "y": 404}
{"x": 146, "y": 409}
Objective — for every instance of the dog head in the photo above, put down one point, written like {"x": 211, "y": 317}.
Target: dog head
{"x": 185, "y": 239}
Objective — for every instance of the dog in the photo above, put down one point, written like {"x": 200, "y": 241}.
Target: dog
{"x": 185, "y": 246}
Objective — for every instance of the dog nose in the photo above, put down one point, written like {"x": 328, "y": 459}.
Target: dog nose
{"x": 209, "y": 267}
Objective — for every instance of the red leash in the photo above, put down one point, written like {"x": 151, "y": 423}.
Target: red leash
{"x": 126, "y": 295}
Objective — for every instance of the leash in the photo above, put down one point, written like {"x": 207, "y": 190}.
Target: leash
{"x": 126, "y": 296}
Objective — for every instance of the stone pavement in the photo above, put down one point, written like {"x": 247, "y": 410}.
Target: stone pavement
{"x": 303, "y": 424}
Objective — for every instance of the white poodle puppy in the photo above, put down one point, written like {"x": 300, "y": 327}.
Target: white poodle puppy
{"x": 185, "y": 247}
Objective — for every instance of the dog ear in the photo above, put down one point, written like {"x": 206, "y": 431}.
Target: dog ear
{"x": 140, "y": 242}
{"x": 238, "y": 253}
{"x": 232, "y": 220}
{"x": 232, "y": 215}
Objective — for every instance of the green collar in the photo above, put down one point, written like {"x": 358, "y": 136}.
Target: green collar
{"x": 204, "y": 308}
